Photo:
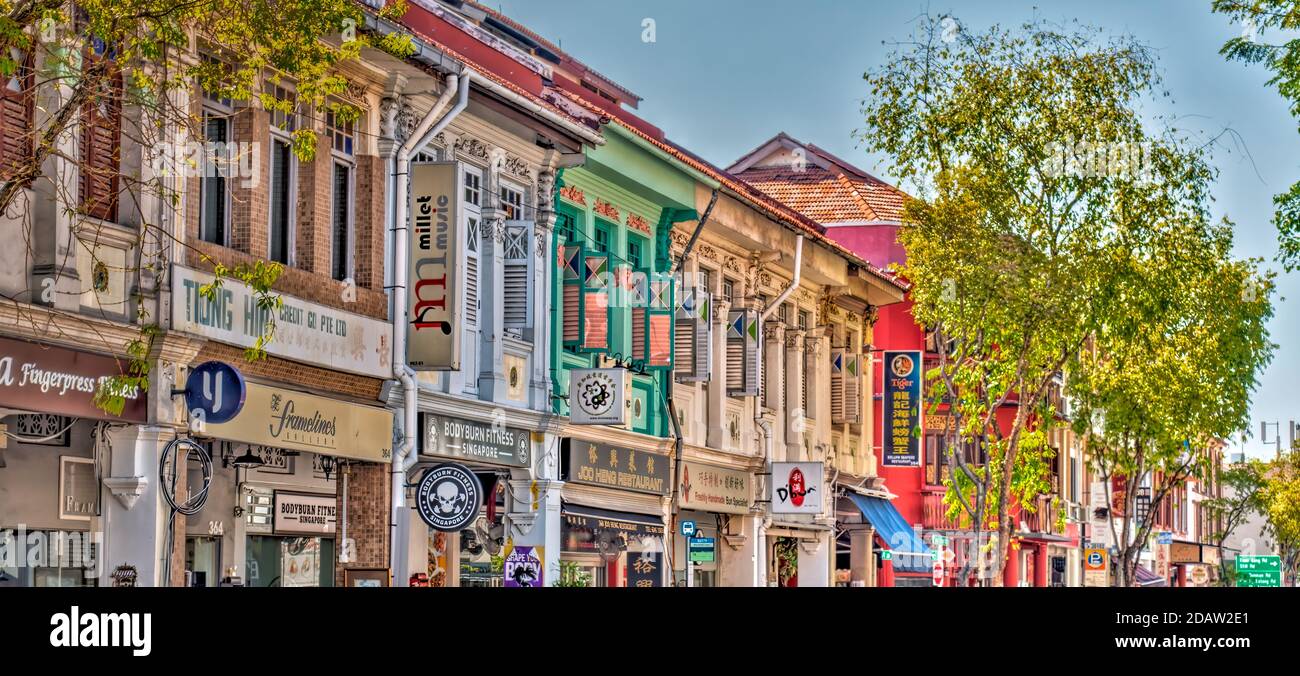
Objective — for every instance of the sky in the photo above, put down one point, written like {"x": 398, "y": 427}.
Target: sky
{"x": 722, "y": 76}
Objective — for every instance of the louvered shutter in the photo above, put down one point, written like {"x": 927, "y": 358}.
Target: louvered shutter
{"x": 16, "y": 115}
{"x": 743, "y": 354}
{"x": 659, "y": 336}
{"x": 693, "y": 331}
{"x": 515, "y": 277}
{"x": 471, "y": 270}
{"x": 100, "y": 147}
{"x": 571, "y": 294}
{"x": 852, "y": 387}
{"x": 837, "y": 385}
{"x": 595, "y": 302}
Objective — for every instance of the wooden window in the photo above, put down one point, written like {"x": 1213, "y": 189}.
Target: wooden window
{"x": 17, "y": 116}
{"x": 100, "y": 139}
{"x": 341, "y": 222}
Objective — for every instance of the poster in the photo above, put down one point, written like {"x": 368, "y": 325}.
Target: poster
{"x": 300, "y": 562}
{"x": 523, "y": 567}
{"x": 902, "y": 409}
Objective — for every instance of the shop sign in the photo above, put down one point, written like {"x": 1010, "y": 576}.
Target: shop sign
{"x": 305, "y": 332}
{"x": 902, "y": 409}
{"x": 939, "y": 423}
{"x": 433, "y": 303}
{"x": 797, "y": 487}
{"x": 476, "y": 441}
{"x": 1162, "y": 560}
{"x": 598, "y": 396}
{"x": 78, "y": 488}
{"x": 304, "y": 513}
{"x": 303, "y": 422}
{"x": 710, "y": 488}
{"x": 701, "y": 550}
{"x": 448, "y": 497}
{"x": 1096, "y": 567}
{"x": 1165, "y": 537}
{"x": 62, "y": 382}
{"x": 623, "y": 469}
{"x": 1184, "y": 552}
{"x": 643, "y": 570}
{"x": 523, "y": 567}
{"x": 1199, "y": 575}
{"x": 1099, "y": 510}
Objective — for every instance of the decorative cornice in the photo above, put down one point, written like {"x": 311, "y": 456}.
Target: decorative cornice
{"x": 606, "y": 209}
{"x": 731, "y": 263}
{"x": 574, "y": 194}
{"x": 679, "y": 237}
{"x": 707, "y": 252}
{"x": 545, "y": 190}
{"x": 473, "y": 147}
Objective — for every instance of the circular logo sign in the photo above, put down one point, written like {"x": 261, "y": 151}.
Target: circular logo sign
{"x": 1094, "y": 560}
{"x": 596, "y": 393}
{"x": 449, "y": 497}
{"x": 214, "y": 392}
{"x": 901, "y": 365}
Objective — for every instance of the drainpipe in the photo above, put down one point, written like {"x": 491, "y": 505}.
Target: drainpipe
{"x": 457, "y": 85}
{"x": 760, "y": 539}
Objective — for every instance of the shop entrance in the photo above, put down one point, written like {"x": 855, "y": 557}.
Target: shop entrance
{"x": 273, "y": 561}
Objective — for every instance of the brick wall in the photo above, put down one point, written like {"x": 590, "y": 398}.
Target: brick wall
{"x": 285, "y": 371}
{"x": 369, "y": 223}
{"x": 369, "y": 487}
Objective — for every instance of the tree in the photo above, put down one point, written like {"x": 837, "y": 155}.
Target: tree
{"x": 1170, "y": 372}
{"x": 103, "y": 91}
{"x": 1281, "y": 498}
{"x": 1256, "y": 17}
{"x": 1035, "y": 176}
{"x": 1243, "y": 486}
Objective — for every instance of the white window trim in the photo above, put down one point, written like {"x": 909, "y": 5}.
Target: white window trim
{"x": 278, "y": 135}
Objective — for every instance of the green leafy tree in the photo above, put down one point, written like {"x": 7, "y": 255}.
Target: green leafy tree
{"x": 1281, "y": 498}
{"x": 1260, "y": 21}
{"x": 1036, "y": 178}
{"x": 1242, "y": 485}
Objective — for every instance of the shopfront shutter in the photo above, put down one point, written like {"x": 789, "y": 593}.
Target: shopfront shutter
{"x": 837, "y": 385}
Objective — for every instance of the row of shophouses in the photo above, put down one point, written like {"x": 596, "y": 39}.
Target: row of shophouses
{"x": 590, "y": 358}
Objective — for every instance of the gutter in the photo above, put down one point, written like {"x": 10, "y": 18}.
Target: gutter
{"x": 402, "y": 455}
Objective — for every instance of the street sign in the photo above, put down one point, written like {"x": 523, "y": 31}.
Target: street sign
{"x": 701, "y": 549}
{"x": 886, "y": 555}
{"x": 1259, "y": 571}
{"x": 214, "y": 393}
{"x": 688, "y": 528}
{"x": 1165, "y": 538}
{"x": 1096, "y": 567}
{"x": 938, "y": 540}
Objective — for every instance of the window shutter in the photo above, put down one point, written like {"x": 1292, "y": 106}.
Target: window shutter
{"x": 515, "y": 278}
{"x": 595, "y": 303}
{"x": 640, "y": 321}
{"x": 571, "y": 294}
{"x": 743, "y": 367}
{"x": 852, "y": 388}
{"x": 17, "y": 115}
{"x": 837, "y": 385}
{"x": 659, "y": 322}
{"x": 471, "y": 271}
{"x": 100, "y": 147}
{"x": 694, "y": 328}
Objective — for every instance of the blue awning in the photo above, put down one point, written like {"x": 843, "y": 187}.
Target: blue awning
{"x": 909, "y": 552}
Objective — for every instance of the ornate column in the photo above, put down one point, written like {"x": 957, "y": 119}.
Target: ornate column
{"x": 543, "y": 278}
{"x": 795, "y": 372}
{"x": 773, "y": 358}
{"x": 491, "y": 314}
{"x": 716, "y": 389}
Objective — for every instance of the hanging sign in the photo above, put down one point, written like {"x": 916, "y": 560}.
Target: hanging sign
{"x": 711, "y": 488}
{"x": 449, "y": 497}
{"x": 902, "y": 409}
{"x": 435, "y": 269}
{"x": 214, "y": 392}
{"x": 598, "y": 396}
{"x": 477, "y": 441}
{"x": 797, "y": 487}
{"x": 303, "y": 422}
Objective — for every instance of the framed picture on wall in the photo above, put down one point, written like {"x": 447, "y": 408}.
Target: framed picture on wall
{"x": 365, "y": 577}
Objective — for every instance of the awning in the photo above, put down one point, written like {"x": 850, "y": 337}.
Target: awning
{"x": 608, "y": 532}
{"x": 1146, "y": 578}
{"x": 609, "y": 519}
{"x": 910, "y": 555}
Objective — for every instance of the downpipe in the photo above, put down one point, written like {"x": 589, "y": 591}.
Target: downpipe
{"x": 403, "y": 457}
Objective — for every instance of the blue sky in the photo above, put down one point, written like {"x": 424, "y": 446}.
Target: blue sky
{"x": 723, "y": 76}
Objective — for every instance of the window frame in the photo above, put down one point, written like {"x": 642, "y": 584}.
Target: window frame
{"x": 213, "y": 109}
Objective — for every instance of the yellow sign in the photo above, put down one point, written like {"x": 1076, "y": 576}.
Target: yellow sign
{"x": 303, "y": 422}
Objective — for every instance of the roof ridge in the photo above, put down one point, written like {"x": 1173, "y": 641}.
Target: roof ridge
{"x": 853, "y": 190}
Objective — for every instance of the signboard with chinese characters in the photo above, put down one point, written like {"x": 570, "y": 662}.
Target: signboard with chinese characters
{"x": 710, "y": 488}
{"x": 643, "y": 570}
{"x": 797, "y": 488}
{"x": 304, "y": 513}
{"x": 60, "y": 381}
{"x": 1184, "y": 552}
{"x": 902, "y": 409}
{"x": 619, "y": 468}
{"x": 477, "y": 441}
{"x": 306, "y": 332}
{"x": 303, "y": 422}
{"x": 598, "y": 396}
{"x": 435, "y": 268}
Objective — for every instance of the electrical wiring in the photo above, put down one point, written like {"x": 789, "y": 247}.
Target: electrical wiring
{"x": 194, "y": 502}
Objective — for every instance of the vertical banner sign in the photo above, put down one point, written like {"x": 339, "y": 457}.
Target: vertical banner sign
{"x": 433, "y": 303}
{"x": 902, "y": 408}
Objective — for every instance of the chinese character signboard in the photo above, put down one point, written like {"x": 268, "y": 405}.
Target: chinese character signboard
{"x": 620, "y": 468}
{"x": 433, "y": 277}
{"x": 643, "y": 570}
{"x": 711, "y": 488}
{"x": 797, "y": 488}
{"x": 902, "y": 409}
